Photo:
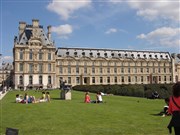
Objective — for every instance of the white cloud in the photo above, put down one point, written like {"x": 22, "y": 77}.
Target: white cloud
{"x": 63, "y": 31}
{"x": 165, "y": 36}
{"x": 111, "y": 30}
{"x": 66, "y": 8}
{"x": 151, "y": 10}
{"x": 7, "y": 58}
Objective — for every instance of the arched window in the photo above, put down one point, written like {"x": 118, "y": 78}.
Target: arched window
{"x": 49, "y": 79}
{"x": 30, "y": 79}
{"x": 40, "y": 79}
{"x": 21, "y": 80}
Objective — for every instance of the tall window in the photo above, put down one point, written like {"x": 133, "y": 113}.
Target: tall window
{"x": 77, "y": 80}
{"x": 77, "y": 68}
{"x": 141, "y": 70}
{"x": 49, "y": 80}
{"x": 49, "y": 56}
{"x": 108, "y": 79}
{"x": 136, "y": 79}
{"x": 147, "y": 70}
{"x": 101, "y": 70}
{"x": 129, "y": 70}
{"x": 142, "y": 79}
{"x": 40, "y": 55}
{"x": 115, "y": 79}
{"x": 30, "y": 79}
{"x": 21, "y": 80}
{"x": 122, "y": 79}
{"x": 129, "y": 79}
{"x": 164, "y": 70}
{"x": 49, "y": 67}
{"x": 93, "y": 70}
{"x": 101, "y": 80}
{"x": 135, "y": 70}
{"x": 30, "y": 67}
{"x": 21, "y": 67}
{"x": 40, "y": 79}
{"x": 108, "y": 70}
{"x": 165, "y": 78}
{"x": 69, "y": 80}
{"x": 30, "y": 54}
{"x": 122, "y": 70}
{"x": 40, "y": 68}
{"x": 21, "y": 55}
{"x": 61, "y": 69}
{"x": 85, "y": 68}
{"x": 93, "y": 79}
{"x": 69, "y": 67}
{"x": 159, "y": 78}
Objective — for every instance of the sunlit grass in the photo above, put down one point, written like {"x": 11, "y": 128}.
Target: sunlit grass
{"x": 118, "y": 116}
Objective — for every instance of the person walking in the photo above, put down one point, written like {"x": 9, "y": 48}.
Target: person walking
{"x": 174, "y": 109}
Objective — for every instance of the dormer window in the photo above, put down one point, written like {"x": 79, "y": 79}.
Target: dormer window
{"x": 98, "y": 54}
{"x": 91, "y": 54}
{"x": 105, "y": 54}
{"x": 132, "y": 55}
{"x": 67, "y": 53}
{"x": 83, "y": 53}
{"x": 75, "y": 53}
{"x": 119, "y": 55}
{"x": 155, "y": 56}
{"x": 144, "y": 55}
{"x": 112, "y": 54}
{"x": 126, "y": 54}
{"x": 138, "y": 55}
{"x": 150, "y": 55}
{"x": 161, "y": 56}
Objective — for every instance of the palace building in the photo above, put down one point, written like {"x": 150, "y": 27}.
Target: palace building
{"x": 39, "y": 64}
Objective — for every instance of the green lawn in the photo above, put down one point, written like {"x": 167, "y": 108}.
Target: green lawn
{"x": 118, "y": 116}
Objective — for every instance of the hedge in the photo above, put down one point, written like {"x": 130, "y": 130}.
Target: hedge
{"x": 135, "y": 90}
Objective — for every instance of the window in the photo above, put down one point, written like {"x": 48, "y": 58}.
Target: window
{"x": 147, "y": 70}
{"x": 85, "y": 70}
{"x": 20, "y": 55}
{"x": 40, "y": 79}
{"x": 40, "y": 55}
{"x": 20, "y": 66}
{"x": 136, "y": 79}
{"x": 164, "y": 70}
{"x": 30, "y": 79}
{"x": 170, "y": 78}
{"x": 148, "y": 78}
{"x": 159, "y": 70}
{"x": 49, "y": 67}
{"x": 30, "y": 68}
{"x": 21, "y": 80}
{"x": 101, "y": 71}
{"x": 115, "y": 70}
{"x": 93, "y": 79}
{"x": 108, "y": 79}
{"x": 93, "y": 70}
{"x": 49, "y": 79}
{"x": 77, "y": 80}
{"x": 135, "y": 70}
{"x": 129, "y": 79}
{"x": 69, "y": 69}
{"x": 165, "y": 78}
{"x": 108, "y": 70}
{"x": 40, "y": 68}
{"x": 61, "y": 69}
{"x": 129, "y": 70}
{"x": 77, "y": 69}
{"x": 122, "y": 70}
{"x": 69, "y": 80}
{"x": 115, "y": 79}
{"x": 159, "y": 78}
{"x": 142, "y": 79}
{"x": 31, "y": 55}
{"x": 122, "y": 79}
{"x": 101, "y": 80}
{"x": 141, "y": 70}
{"x": 49, "y": 56}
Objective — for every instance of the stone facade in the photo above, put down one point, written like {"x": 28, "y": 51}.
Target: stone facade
{"x": 37, "y": 63}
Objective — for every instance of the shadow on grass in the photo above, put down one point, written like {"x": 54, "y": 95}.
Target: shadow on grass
{"x": 57, "y": 99}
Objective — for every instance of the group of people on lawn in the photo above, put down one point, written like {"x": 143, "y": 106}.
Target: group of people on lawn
{"x": 99, "y": 99}
{"x": 31, "y": 99}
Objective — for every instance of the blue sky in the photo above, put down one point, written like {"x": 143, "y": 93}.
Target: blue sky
{"x": 116, "y": 24}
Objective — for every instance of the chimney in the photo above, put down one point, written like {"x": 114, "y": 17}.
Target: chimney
{"x": 35, "y": 23}
{"x": 22, "y": 26}
{"x": 49, "y": 32}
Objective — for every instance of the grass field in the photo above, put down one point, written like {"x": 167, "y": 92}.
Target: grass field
{"x": 118, "y": 116}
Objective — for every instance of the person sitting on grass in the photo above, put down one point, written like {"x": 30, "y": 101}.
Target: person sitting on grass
{"x": 99, "y": 98}
{"x": 43, "y": 98}
{"x": 87, "y": 98}
{"x": 18, "y": 99}
{"x": 48, "y": 98}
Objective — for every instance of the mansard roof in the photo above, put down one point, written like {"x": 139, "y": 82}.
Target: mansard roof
{"x": 112, "y": 53}
{"x": 26, "y": 36}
